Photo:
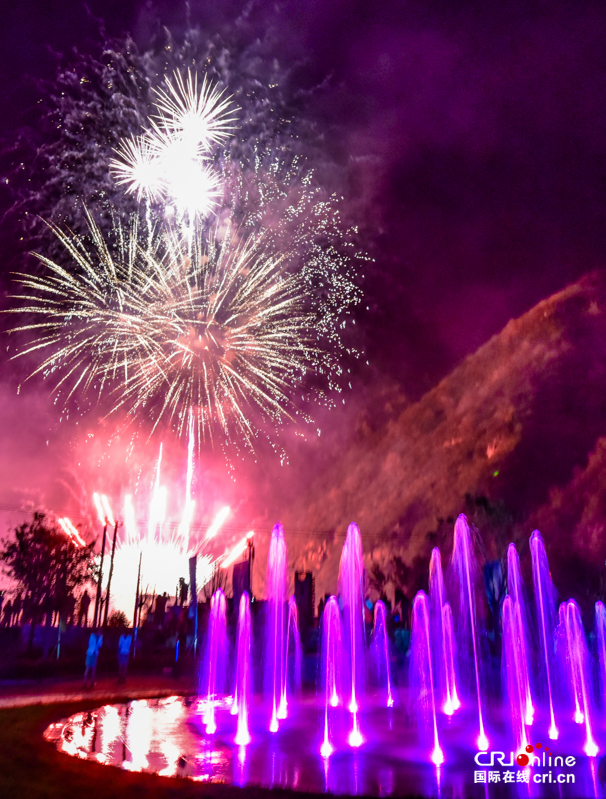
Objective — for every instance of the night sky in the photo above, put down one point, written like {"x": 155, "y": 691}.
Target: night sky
{"x": 478, "y": 133}
{"x": 473, "y": 134}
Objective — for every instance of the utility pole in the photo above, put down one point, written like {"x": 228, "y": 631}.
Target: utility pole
{"x": 111, "y": 572}
{"x": 136, "y": 613}
{"x": 193, "y": 599}
{"x": 100, "y": 579}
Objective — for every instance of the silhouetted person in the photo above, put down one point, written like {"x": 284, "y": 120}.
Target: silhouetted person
{"x": 95, "y": 642}
{"x": 183, "y": 589}
{"x": 160, "y": 609}
{"x": 8, "y": 614}
{"x": 83, "y": 610}
{"x": 124, "y": 645}
{"x": 17, "y": 604}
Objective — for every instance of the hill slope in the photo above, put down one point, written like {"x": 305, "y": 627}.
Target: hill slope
{"x": 512, "y": 422}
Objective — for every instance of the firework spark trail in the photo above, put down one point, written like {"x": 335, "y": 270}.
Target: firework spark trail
{"x": 223, "y": 332}
{"x": 189, "y": 504}
{"x": 157, "y": 508}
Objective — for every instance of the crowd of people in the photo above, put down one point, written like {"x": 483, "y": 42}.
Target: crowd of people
{"x": 17, "y": 612}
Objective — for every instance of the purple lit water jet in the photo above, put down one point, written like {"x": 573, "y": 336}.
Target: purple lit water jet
{"x": 277, "y": 565}
{"x": 543, "y": 594}
{"x": 293, "y": 644}
{"x": 215, "y": 660}
{"x": 516, "y": 593}
{"x": 422, "y": 674}
{"x": 513, "y": 674}
{"x": 351, "y": 590}
{"x": 442, "y": 637}
{"x": 579, "y": 669}
{"x": 243, "y": 690}
{"x": 600, "y": 634}
{"x": 381, "y": 648}
{"x": 332, "y": 664}
{"x": 463, "y": 563}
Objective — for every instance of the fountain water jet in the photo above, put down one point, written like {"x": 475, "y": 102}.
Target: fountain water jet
{"x": 442, "y": 637}
{"x": 276, "y": 598}
{"x": 462, "y": 560}
{"x": 215, "y": 660}
{"x": 422, "y": 673}
{"x": 351, "y": 590}
{"x": 332, "y": 659}
{"x": 578, "y": 661}
{"x": 516, "y": 593}
{"x": 543, "y": 592}
{"x": 381, "y": 646}
{"x": 243, "y": 690}
{"x": 513, "y": 673}
{"x": 293, "y": 642}
{"x": 600, "y": 633}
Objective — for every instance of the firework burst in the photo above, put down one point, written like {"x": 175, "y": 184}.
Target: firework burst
{"x": 170, "y": 160}
{"x": 222, "y": 333}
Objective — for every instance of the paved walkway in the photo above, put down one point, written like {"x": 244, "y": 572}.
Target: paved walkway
{"x": 107, "y": 689}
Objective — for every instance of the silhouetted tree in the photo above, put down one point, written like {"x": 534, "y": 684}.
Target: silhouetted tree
{"x": 47, "y": 567}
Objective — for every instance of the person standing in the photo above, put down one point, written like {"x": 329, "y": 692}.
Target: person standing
{"x": 95, "y": 642}
{"x": 83, "y": 612}
{"x": 8, "y": 613}
{"x": 124, "y": 645}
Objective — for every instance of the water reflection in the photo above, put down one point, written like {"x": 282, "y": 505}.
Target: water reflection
{"x": 167, "y": 737}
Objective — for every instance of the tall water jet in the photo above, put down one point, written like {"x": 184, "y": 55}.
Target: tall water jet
{"x": 243, "y": 690}
{"x": 277, "y": 565}
{"x": 519, "y": 619}
{"x": 513, "y": 667}
{"x": 380, "y": 643}
{"x": 215, "y": 658}
{"x": 600, "y": 634}
{"x": 292, "y": 657}
{"x": 544, "y": 598}
{"x": 578, "y": 659}
{"x": 332, "y": 661}
{"x": 351, "y": 590}
{"x": 463, "y": 562}
{"x": 422, "y": 677}
{"x": 442, "y": 637}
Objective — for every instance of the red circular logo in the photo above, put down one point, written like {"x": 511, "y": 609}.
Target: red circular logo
{"x": 522, "y": 760}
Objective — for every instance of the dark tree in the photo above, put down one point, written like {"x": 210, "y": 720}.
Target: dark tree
{"x": 47, "y": 567}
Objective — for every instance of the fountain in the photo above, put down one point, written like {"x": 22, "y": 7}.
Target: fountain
{"x": 355, "y": 736}
{"x": 243, "y": 685}
{"x": 514, "y": 674}
{"x": 422, "y": 675}
{"x": 292, "y": 656}
{"x": 215, "y": 659}
{"x": 276, "y": 600}
{"x": 332, "y": 666}
{"x": 579, "y": 673}
{"x": 519, "y": 620}
{"x": 600, "y": 633}
{"x": 544, "y": 600}
{"x": 380, "y": 648}
{"x": 351, "y": 590}
{"x": 463, "y": 564}
{"x": 443, "y": 645}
